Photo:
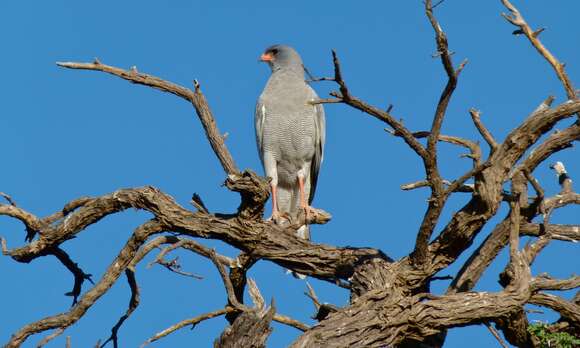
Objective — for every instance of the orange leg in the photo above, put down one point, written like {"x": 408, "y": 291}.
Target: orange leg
{"x": 303, "y": 204}
{"x": 275, "y": 213}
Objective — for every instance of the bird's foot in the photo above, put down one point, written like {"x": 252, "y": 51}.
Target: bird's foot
{"x": 309, "y": 213}
{"x": 278, "y": 218}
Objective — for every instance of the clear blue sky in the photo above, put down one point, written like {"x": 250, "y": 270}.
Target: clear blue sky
{"x": 67, "y": 134}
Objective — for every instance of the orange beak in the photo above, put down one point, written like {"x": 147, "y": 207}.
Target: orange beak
{"x": 266, "y": 57}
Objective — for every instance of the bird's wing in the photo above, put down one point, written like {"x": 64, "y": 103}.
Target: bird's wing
{"x": 320, "y": 137}
{"x": 259, "y": 116}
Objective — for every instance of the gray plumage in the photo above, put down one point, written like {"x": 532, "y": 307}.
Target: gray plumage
{"x": 290, "y": 131}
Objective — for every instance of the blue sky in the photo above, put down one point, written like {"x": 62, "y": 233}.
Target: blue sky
{"x": 67, "y": 134}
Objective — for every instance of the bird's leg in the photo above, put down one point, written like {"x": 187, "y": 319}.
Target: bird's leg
{"x": 275, "y": 212}
{"x": 303, "y": 203}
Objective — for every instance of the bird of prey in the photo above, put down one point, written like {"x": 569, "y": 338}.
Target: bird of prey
{"x": 290, "y": 132}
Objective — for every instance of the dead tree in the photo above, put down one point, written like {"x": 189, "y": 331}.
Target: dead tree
{"x": 390, "y": 301}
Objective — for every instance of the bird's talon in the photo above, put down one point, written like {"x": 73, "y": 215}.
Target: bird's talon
{"x": 309, "y": 213}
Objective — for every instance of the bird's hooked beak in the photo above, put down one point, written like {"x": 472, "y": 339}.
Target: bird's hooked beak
{"x": 266, "y": 57}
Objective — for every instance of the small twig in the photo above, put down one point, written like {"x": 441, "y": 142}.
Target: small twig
{"x": 227, "y": 283}
{"x": 79, "y": 275}
{"x": 495, "y": 334}
{"x": 447, "y": 277}
{"x": 198, "y": 203}
{"x": 193, "y": 322}
{"x": 473, "y": 172}
{"x": 5, "y": 250}
{"x": 8, "y": 198}
{"x": 175, "y": 267}
{"x": 318, "y": 79}
{"x": 327, "y": 101}
{"x": 312, "y": 295}
{"x": 256, "y": 296}
{"x": 535, "y": 184}
{"x": 424, "y": 183}
{"x": 344, "y": 93}
{"x": 437, "y": 4}
{"x": 485, "y": 133}
{"x": 282, "y": 319}
{"x": 536, "y": 311}
{"x": 133, "y": 303}
{"x": 50, "y": 337}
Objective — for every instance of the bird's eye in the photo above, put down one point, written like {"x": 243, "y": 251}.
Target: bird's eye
{"x": 274, "y": 51}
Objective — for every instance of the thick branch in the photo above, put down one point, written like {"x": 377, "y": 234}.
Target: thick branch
{"x": 557, "y": 141}
{"x": 567, "y": 310}
{"x": 380, "y": 319}
{"x": 260, "y": 239}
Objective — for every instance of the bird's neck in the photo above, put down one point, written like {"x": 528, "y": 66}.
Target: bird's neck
{"x": 290, "y": 71}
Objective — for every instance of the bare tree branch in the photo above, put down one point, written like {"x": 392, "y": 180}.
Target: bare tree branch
{"x": 438, "y": 197}
{"x": 77, "y": 272}
{"x": 195, "y": 97}
{"x": 375, "y": 112}
{"x": 485, "y": 133}
{"x": 8, "y": 198}
{"x": 569, "y": 233}
{"x": 133, "y": 303}
{"x": 545, "y": 282}
{"x": 49, "y": 338}
{"x": 567, "y": 309}
{"x": 187, "y": 322}
{"x": 517, "y": 19}
{"x": 64, "y": 320}
{"x": 496, "y": 335}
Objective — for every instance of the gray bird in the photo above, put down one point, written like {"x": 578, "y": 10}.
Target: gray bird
{"x": 290, "y": 133}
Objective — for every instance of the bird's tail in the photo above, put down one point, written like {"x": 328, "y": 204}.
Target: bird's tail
{"x": 289, "y": 203}
{"x": 304, "y": 232}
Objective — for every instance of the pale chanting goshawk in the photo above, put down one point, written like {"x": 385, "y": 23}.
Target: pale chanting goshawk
{"x": 290, "y": 132}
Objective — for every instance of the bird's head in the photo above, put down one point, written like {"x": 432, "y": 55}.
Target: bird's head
{"x": 282, "y": 57}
